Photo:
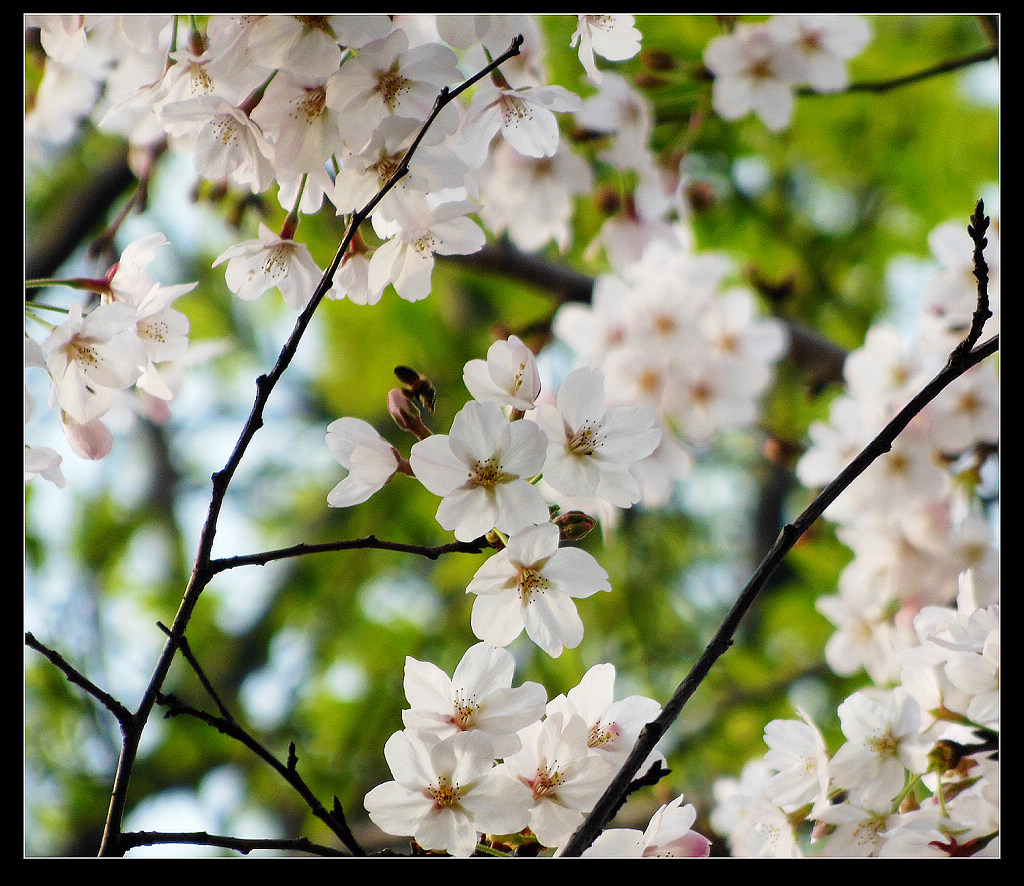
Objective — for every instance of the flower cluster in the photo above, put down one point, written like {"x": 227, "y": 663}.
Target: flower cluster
{"x": 481, "y": 759}
{"x": 758, "y": 65}
{"x": 108, "y": 345}
{"x": 917, "y": 610}
{"x": 669, "y": 332}
{"x": 487, "y": 471}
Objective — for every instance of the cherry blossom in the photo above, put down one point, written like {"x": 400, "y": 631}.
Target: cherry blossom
{"x": 388, "y": 76}
{"x": 267, "y": 262}
{"x": 668, "y": 835}
{"x": 294, "y": 116}
{"x": 482, "y": 471}
{"x": 370, "y": 460}
{"x": 590, "y": 450}
{"x": 565, "y": 779}
{"x": 525, "y": 117}
{"x": 89, "y": 357}
{"x": 531, "y": 584}
{"x": 477, "y": 697}
{"x": 227, "y": 142}
{"x": 750, "y": 821}
{"x": 884, "y": 740}
{"x": 755, "y": 69}
{"x": 824, "y": 42}
{"x": 613, "y": 37}
{"x": 532, "y": 198}
{"x": 406, "y": 260}
{"x": 613, "y": 724}
{"x": 799, "y": 758}
{"x": 446, "y": 791}
{"x": 508, "y": 376}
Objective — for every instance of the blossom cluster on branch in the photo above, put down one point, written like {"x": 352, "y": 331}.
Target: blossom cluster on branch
{"x": 916, "y": 609}
{"x": 327, "y": 114}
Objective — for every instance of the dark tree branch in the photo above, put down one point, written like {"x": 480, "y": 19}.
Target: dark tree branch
{"x": 120, "y": 712}
{"x": 370, "y": 541}
{"x": 239, "y": 844}
{"x": 960, "y": 360}
{"x": 288, "y": 770}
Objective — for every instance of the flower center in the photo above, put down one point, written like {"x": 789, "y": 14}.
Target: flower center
{"x": 601, "y": 734}
{"x": 313, "y": 103}
{"x": 489, "y": 473}
{"x": 585, "y": 440}
{"x": 545, "y": 783}
{"x": 391, "y": 84}
{"x": 445, "y": 795}
{"x": 464, "y": 710}
{"x": 530, "y": 583}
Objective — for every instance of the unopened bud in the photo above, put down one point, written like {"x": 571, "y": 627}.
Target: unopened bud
{"x": 574, "y": 525}
{"x": 406, "y": 414}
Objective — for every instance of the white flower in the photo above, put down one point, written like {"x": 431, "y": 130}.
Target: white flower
{"x": 525, "y": 117}
{"x": 478, "y": 696}
{"x": 508, "y": 376}
{"x": 269, "y": 261}
{"x": 884, "y": 741}
{"x": 446, "y": 792}
{"x": 293, "y": 114}
{"x": 668, "y": 835}
{"x": 532, "y": 198}
{"x": 590, "y": 450}
{"x": 755, "y": 69}
{"x": 361, "y": 174}
{"x": 753, "y": 825}
{"x": 565, "y": 779}
{"x": 613, "y": 725}
{"x": 90, "y": 357}
{"x": 481, "y": 470}
{"x": 859, "y": 831}
{"x": 387, "y": 77}
{"x": 227, "y": 142}
{"x": 824, "y": 42}
{"x": 370, "y": 460}
{"x": 531, "y": 584}
{"x": 799, "y": 759}
{"x": 611, "y": 36}
{"x": 406, "y": 261}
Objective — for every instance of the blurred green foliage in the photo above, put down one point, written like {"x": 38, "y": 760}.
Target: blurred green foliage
{"x": 857, "y": 180}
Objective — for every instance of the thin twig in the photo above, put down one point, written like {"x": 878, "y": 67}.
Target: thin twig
{"x": 240, "y": 844}
{"x": 431, "y": 552}
{"x": 288, "y": 770}
{"x": 76, "y": 677}
{"x": 960, "y": 360}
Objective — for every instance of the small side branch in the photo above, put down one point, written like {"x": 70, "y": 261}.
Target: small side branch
{"x": 120, "y": 712}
